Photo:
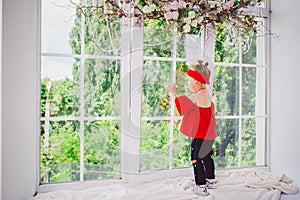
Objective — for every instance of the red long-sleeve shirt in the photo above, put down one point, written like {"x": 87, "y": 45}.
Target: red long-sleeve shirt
{"x": 197, "y": 122}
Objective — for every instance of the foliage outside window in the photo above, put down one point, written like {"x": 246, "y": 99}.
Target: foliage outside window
{"x": 81, "y": 112}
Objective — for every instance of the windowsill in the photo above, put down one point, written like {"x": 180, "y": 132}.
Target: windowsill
{"x": 131, "y": 178}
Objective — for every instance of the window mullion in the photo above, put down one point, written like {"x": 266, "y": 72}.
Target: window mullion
{"x": 136, "y": 69}
{"x": 240, "y": 100}
{"x": 125, "y": 97}
{"x": 81, "y": 129}
{"x": 131, "y": 88}
{"x": 260, "y": 100}
{"x": 172, "y": 110}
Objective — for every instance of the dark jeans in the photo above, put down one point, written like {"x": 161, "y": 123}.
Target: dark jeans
{"x": 201, "y": 151}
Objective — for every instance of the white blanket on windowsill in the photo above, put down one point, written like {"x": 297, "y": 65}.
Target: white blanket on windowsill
{"x": 246, "y": 184}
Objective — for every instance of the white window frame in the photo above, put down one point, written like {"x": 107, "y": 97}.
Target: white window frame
{"x": 131, "y": 73}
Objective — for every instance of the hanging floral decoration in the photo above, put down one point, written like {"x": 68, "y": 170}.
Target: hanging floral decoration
{"x": 188, "y": 15}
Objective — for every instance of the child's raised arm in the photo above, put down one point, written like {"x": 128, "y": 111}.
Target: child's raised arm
{"x": 172, "y": 90}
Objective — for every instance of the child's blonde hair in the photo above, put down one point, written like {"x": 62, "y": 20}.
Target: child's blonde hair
{"x": 201, "y": 67}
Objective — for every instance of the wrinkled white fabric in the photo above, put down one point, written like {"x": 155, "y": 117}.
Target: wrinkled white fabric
{"x": 246, "y": 184}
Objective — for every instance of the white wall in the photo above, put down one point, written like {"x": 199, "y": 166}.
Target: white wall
{"x": 0, "y": 97}
{"x": 19, "y": 99}
{"x": 285, "y": 89}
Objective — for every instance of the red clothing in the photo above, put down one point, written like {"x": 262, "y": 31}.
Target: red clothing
{"x": 197, "y": 122}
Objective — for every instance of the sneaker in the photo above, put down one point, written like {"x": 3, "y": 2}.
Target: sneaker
{"x": 200, "y": 190}
{"x": 211, "y": 183}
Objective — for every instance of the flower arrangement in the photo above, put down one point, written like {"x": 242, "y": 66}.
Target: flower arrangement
{"x": 188, "y": 15}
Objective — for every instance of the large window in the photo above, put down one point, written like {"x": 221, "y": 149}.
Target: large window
{"x": 105, "y": 107}
{"x": 80, "y": 96}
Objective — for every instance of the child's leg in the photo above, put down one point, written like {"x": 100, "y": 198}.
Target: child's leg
{"x": 199, "y": 173}
{"x": 205, "y": 155}
{"x": 198, "y": 167}
{"x": 210, "y": 171}
{"x": 209, "y": 166}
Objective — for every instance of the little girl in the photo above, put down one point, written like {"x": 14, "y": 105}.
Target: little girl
{"x": 199, "y": 123}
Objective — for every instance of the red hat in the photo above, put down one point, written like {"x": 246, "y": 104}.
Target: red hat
{"x": 203, "y": 78}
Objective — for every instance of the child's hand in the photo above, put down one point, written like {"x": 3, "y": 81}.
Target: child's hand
{"x": 172, "y": 90}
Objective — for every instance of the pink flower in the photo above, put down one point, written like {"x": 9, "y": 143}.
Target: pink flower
{"x": 175, "y": 15}
{"x": 181, "y": 4}
{"x": 232, "y": 21}
{"x": 167, "y": 8}
{"x": 174, "y": 5}
{"x": 171, "y": 15}
{"x": 168, "y": 16}
{"x": 228, "y": 5}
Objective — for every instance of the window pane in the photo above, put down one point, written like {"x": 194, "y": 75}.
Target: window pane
{"x": 102, "y": 87}
{"x": 249, "y": 91}
{"x": 253, "y": 142}
{"x": 248, "y": 143}
{"x": 254, "y": 46}
{"x": 154, "y": 145}
{"x": 181, "y": 148}
{"x": 60, "y": 27}
{"x": 157, "y": 39}
{"x": 102, "y": 150}
{"x": 226, "y": 144}
{"x": 60, "y": 159}
{"x": 102, "y": 37}
{"x": 249, "y": 49}
{"x": 181, "y": 45}
{"x": 60, "y": 68}
{"x": 254, "y": 91}
{"x": 226, "y": 48}
{"x": 181, "y": 79}
{"x": 60, "y": 76}
{"x": 226, "y": 90}
{"x": 155, "y": 95}
{"x": 190, "y": 46}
